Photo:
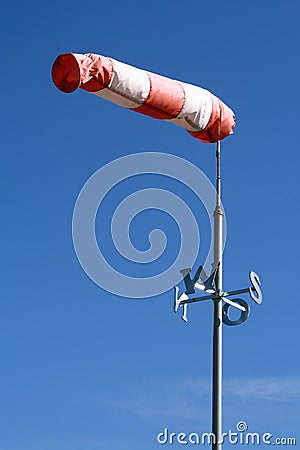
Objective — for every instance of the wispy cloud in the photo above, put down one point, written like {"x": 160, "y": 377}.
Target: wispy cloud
{"x": 176, "y": 399}
{"x": 188, "y": 399}
{"x": 269, "y": 388}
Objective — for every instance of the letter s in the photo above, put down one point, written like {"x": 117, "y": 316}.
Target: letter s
{"x": 254, "y": 278}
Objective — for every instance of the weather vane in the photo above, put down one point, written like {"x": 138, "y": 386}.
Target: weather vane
{"x": 213, "y": 286}
{"x": 206, "y": 118}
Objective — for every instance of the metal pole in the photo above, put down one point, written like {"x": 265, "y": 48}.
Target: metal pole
{"x": 217, "y": 324}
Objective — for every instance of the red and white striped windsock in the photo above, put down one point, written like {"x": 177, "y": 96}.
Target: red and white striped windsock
{"x": 197, "y": 110}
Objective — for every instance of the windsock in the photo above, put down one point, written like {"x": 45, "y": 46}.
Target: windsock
{"x": 197, "y": 110}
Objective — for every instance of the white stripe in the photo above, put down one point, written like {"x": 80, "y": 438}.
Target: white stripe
{"x": 113, "y": 97}
{"x": 129, "y": 86}
{"x": 197, "y": 109}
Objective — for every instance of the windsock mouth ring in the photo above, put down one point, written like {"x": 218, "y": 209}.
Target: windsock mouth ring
{"x": 66, "y": 73}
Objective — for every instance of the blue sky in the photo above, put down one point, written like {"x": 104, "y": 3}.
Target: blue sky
{"x": 82, "y": 369}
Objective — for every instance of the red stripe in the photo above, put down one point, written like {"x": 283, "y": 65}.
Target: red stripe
{"x": 165, "y": 100}
{"x": 220, "y": 125}
{"x": 89, "y": 72}
{"x": 96, "y": 72}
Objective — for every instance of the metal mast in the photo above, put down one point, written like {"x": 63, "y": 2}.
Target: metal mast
{"x": 217, "y": 312}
